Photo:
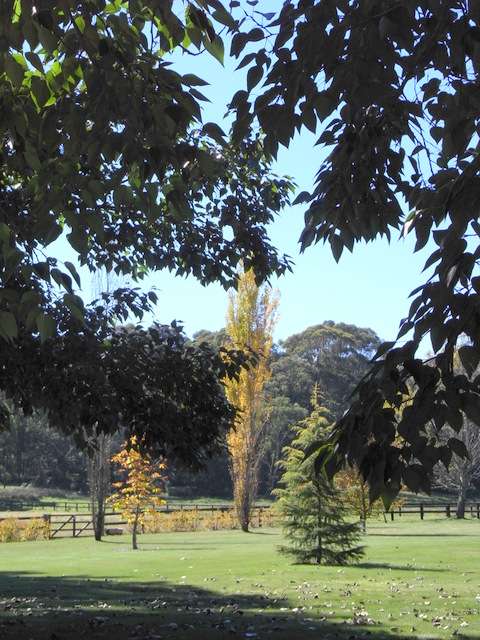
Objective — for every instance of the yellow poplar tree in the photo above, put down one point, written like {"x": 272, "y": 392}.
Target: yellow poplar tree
{"x": 139, "y": 492}
{"x": 251, "y": 318}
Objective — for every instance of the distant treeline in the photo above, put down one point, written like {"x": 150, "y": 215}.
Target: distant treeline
{"x": 332, "y": 356}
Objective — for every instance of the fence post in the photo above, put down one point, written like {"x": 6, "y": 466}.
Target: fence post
{"x": 74, "y": 520}
{"x": 478, "y": 511}
{"x": 447, "y": 510}
{"x": 392, "y": 516}
{"x": 48, "y": 525}
{"x": 421, "y": 511}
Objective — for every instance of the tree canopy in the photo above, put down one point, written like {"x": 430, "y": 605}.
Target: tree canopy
{"x": 391, "y": 87}
{"x": 103, "y": 145}
{"x": 332, "y": 355}
{"x": 152, "y": 383}
{"x": 103, "y": 151}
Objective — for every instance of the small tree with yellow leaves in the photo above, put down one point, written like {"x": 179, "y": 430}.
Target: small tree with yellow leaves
{"x": 355, "y": 496}
{"x": 139, "y": 492}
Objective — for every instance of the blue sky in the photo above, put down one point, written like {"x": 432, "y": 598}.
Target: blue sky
{"x": 369, "y": 288}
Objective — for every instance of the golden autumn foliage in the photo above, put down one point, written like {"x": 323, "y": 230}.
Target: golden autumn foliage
{"x": 251, "y": 318}
{"x": 355, "y": 494}
{"x": 139, "y": 492}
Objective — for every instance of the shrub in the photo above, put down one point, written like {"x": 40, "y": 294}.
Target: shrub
{"x": 194, "y": 520}
{"x": 35, "y": 529}
{"x": 183, "y": 520}
{"x": 10, "y": 530}
{"x": 14, "y": 530}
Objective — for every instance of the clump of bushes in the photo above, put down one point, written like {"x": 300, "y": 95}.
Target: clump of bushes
{"x": 189, "y": 520}
{"x": 15, "y": 530}
{"x": 195, "y": 520}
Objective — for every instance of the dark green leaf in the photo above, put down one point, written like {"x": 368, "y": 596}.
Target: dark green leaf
{"x": 8, "y": 325}
{"x": 337, "y": 247}
{"x": 45, "y": 325}
{"x": 215, "y": 48}
{"x": 470, "y": 358}
{"x": 254, "y": 76}
{"x": 458, "y": 447}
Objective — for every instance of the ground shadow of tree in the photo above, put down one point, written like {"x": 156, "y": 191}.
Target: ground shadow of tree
{"x": 75, "y": 606}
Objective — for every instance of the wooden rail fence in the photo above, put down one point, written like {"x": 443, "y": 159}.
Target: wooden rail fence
{"x": 447, "y": 509}
{"x": 80, "y": 507}
{"x": 76, "y": 525}
{"x": 81, "y": 524}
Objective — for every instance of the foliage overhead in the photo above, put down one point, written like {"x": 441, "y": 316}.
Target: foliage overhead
{"x": 104, "y": 156}
{"x": 103, "y": 145}
{"x": 392, "y": 90}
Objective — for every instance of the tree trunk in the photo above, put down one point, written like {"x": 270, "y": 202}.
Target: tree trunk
{"x": 99, "y": 521}
{"x": 319, "y": 554}
{"x": 364, "y": 508}
{"x": 98, "y": 474}
{"x": 462, "y": 489}
{"x": 244, "y": 513}
{"x": 135, "y": 527}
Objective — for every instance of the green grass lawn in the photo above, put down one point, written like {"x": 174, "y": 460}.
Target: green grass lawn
{"x": 417, "y": 579}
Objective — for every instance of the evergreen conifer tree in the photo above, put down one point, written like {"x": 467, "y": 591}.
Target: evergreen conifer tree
{"x": 314, "y": 515}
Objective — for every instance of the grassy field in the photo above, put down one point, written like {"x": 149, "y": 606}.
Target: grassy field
{"x": 417, "y": 579}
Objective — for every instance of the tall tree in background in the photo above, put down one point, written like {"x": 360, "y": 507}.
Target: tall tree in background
{"x": 101, "y": 444}
{"x": 251, "y": 318}
{"x": 312, "y": 510}
{"x": 332, "y": 355}
{"x": 392, "y": 90}
{"x": 282, "y": 416}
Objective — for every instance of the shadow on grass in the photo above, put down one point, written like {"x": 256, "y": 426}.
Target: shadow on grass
{"x": 395, "y": 567}
{"x": 69, "y": 607}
